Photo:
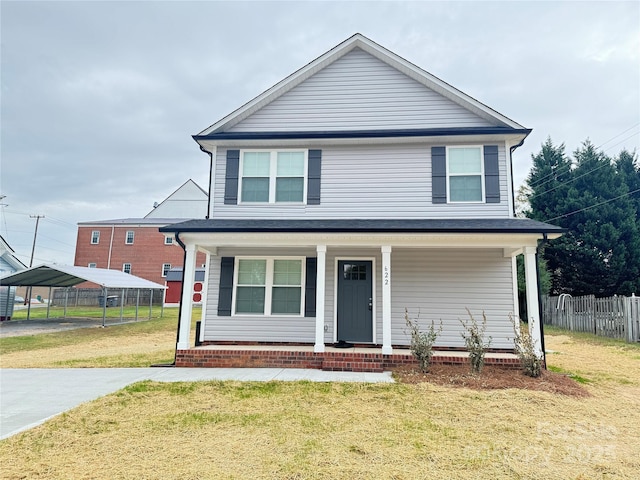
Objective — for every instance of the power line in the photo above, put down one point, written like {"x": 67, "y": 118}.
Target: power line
{"x": 593, "y": 206}
{"x": 543, "y": 181}
{"x": 621, "y": 133}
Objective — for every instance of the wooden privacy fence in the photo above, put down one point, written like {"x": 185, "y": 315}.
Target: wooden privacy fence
{"x": 614, "y": 317}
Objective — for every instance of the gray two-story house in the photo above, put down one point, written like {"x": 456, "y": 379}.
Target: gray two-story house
{"x": 356, "y": 188}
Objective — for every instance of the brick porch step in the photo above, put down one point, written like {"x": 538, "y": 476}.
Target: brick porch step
{"x": 352, "y": 365}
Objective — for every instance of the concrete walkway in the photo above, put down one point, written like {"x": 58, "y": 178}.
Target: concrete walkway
{"x": 29, "y": 397}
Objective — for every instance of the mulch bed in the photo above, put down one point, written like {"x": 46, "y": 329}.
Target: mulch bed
{"x": 492, "y": 378}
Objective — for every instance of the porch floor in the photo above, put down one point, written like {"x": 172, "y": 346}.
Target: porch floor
{"x": 354, "y": 359}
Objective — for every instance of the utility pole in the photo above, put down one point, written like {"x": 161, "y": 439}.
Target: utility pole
{"x": 33, "y": 249}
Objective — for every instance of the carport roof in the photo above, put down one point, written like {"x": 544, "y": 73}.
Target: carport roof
{"x": 68, "y": 276}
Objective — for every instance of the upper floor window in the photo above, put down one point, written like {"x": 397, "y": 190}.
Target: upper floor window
{"x": 95, "y": 237}
{"x": 92, "y": 265}
{"x": 168, "y": 240}
{"x": 126, "y": 267}
{"x": 165, "y": 269}
{"x": 129, "y": 238}
{"x": 273, "y": 176}
{"x": 465, "y": 174}
{"x": 268, "y": 286}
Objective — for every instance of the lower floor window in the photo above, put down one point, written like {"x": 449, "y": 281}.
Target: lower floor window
{"x": 267, "y": 286}
{"x": 126, "y": 267}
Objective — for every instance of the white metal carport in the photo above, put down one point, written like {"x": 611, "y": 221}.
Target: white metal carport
{"x": 69, "y": 276}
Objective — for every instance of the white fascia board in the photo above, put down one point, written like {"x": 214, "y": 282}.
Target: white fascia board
{"x": 381, "y": 53}
{"x": 511, "y": 138}
{"x": 508, "y": 241}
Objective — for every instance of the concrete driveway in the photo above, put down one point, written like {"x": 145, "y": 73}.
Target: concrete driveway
{"x": 29, "y": 397}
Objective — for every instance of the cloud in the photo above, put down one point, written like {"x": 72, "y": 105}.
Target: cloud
{"x": 100, "y": 99}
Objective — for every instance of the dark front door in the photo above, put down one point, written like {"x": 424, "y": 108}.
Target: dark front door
{"x": 355, "y": 301}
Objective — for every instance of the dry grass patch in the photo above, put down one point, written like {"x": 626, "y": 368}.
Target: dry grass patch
{"x": 137, "y": 344}
{"x": 212, "y": 430}
{"x": 454, "y": 425}
{"x": 302, "y": 430}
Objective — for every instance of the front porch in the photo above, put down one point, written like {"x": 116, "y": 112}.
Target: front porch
{"x": 355, "y": 359}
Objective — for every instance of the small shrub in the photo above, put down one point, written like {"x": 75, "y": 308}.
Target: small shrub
{"x": 474, "y": 339}
{"x": 422, "y": 342}
{"x": 530, "y": 363}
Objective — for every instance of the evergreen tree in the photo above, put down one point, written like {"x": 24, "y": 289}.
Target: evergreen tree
{"x": 599, "y": 253}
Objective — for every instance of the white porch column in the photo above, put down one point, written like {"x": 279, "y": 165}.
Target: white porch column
{"x": 205, "y": 290}
{"x": 533, "y": 311}
{"x": 386, "y": 300}
{"x": 187, "y": 298}
{"x": 321, "y": 267}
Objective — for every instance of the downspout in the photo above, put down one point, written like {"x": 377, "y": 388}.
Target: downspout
{"x": 210, "y": 186}
{"x": 544, "y": 353}
{"x": 110, "y": 247}
{"x": 513, "y": 191}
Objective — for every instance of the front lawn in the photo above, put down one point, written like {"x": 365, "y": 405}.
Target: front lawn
{"x": 299, "y": 430}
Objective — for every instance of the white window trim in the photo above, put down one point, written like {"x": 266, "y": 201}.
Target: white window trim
{"x": 374, "y": 289}
{"x": 92, "y": 265}
{"x": 163, "y": 265}
{"x": 273, "y": 165}
{"x": 269, "y": 286}
{"x": 125, "y": 270}
{"x": 482, "y": 182}
{"x": 97, "y": 239}
{"x": 126, "y": 237}
{"x": 168, "y": 240}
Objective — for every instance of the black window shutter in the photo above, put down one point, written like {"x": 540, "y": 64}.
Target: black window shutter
{"x": 491, "y": 174}
{"x": 313, "y": 177}
{"x": 310, "y": 287}
{"x": 225, "y": 289}
{"x": 231, "y": 177}
{"x": 438, "y": 175}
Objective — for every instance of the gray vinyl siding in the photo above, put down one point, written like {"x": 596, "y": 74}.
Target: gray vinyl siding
{"x": 359, "y": 92}
{"x": 433, "y": 284}
{"x": 439, "y": 284}
{"x": 252, "y": 327}
{"x": 360, "y": 181}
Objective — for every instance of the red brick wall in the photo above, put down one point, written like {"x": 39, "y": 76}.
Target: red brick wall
{"x": 146, "y": 255}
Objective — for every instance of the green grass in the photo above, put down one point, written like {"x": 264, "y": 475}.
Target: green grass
{"x": 574, "y": 376}
{"x": 40, "y": 313}
{"x": 86, "y": 335}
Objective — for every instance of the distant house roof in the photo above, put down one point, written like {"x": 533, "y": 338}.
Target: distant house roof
{"x": 9, "y": 258}
{"x": 142, "y": 222}
{"x": 68, "y": 276}
{"x": 187, "y": 201}
{"x": 488, "y": 225}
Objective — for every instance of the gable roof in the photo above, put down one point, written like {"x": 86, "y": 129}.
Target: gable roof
{"x": 358, "y": 41}
{"x": 185, "y": 198}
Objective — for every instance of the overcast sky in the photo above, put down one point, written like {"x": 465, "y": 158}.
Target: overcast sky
{"x": 100, "y": 99}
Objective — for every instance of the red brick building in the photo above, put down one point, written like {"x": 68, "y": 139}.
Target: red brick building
{"x": 134, "y": 245}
